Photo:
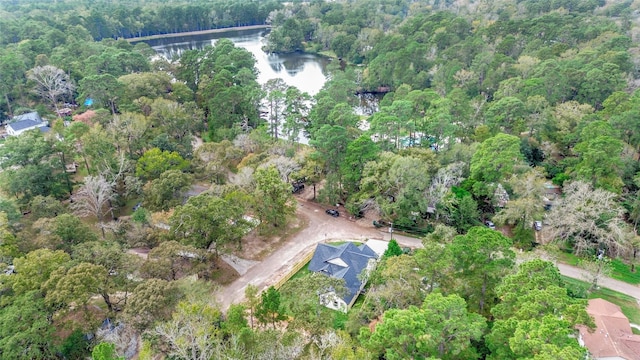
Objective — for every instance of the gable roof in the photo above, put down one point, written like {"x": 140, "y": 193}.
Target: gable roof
{"x": 613, "y": 337}
{"x": 24, "y": 124}
{"x": 345, "y": 261}
{"x": 26, "y": 121}
{"x": 28, "y": 116}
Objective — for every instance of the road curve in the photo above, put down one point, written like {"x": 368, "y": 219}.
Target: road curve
{"x": 322, "y": 227}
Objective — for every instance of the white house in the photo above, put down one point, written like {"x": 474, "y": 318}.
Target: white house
{"x": 349, "y": 262}
{"x": 25, "y": 122}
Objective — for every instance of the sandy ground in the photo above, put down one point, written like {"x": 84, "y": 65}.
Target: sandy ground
{"x": 320, "y": 228}
{"x": 240, "y": 265}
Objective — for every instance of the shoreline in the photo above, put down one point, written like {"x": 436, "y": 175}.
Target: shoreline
{"x": 197, "y": 32}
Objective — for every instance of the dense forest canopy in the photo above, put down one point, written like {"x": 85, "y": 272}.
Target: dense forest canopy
{"x": 521, "y": 115}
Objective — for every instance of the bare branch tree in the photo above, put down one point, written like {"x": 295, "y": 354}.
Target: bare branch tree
{"x": 445, "y": 178}
{"x": 285, "y": 166}
{"x": 51, "y": 83}
{"x": 590, "y": 219}
{"x": 93, "y": 199}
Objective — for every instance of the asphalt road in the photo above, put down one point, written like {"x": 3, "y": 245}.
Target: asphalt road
{"x": 324, "y": 228}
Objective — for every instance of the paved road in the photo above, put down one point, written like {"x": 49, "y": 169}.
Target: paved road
{"x": 322, "y": 227}
{"x": 613, "y": 284}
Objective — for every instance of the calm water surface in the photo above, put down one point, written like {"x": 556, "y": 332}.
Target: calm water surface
{"x": 307, "y": 72}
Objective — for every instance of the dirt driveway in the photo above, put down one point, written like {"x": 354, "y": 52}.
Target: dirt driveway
{"x": 321, "y": 227}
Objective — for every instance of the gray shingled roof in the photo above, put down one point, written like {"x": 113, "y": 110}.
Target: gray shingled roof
{"x": 354, "y": 257}
{"x": 23, "y": 124}
{"x": 25, "y": 121}
{"x": 28, "y": 116}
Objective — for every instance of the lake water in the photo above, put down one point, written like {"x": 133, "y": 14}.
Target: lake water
{"x": 307, "y": 72}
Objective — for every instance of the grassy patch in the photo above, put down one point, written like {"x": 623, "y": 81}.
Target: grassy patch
{"x": 628, "y": 304}
{"x": 622, "y": 272}
{"x": 568, "y": 258}
{"x": 304, "y": 271}
{"x": 338, "y": 243}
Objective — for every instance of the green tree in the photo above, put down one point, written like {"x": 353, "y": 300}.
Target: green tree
{"x": 253, "y": 300}
{"x": 276, "y": 95}
{"x": 275, "y": 202}
{"x": 151, "y": 301}
{"x": 77, "y": 285}
{"x": 496, "y": 159}
{"x": 34, "y": 269}
{"x": 527, "y": 204}
{"x": 507, "y": 115}
{"x": 105, "y": 351}
{"x": 46, "y": 207}
{"x": 599, "y": 153}
{"x": 359, "y": 152}
{"x": 441, "y": 328}
{"x": 301, "y": 299}
{"x": 103, "y": 89}
{"x": 31, "y": 167}
{"x": 482, "y": 257}
{"x": 270, "y": 309}
{"x": 154, "y": 162}
{"x": 331, "y": 142}
{"x": 296, "y": 114}
{"x": 535, "y": 302}
{"x": 168, "y": 190}
{"x": 393, "y": 249}
{"x": 12, "y": 71}
{"x": 25, "y": 328}
{"x": 170, "y": 260}
{"x": 207, "y": 222}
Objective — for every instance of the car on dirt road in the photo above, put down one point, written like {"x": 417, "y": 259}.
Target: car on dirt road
{"x": 537, "y": 225}
{"x": 332, "y": 212}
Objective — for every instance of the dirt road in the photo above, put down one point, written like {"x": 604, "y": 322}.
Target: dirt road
{"x": 321, "y": 227}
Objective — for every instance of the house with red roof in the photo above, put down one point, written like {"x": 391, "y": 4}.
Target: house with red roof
{"x": 612, "y": 338}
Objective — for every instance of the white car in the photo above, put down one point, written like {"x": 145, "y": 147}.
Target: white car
{"x": 490, "y": 225}
{"x": 537, "y": 225}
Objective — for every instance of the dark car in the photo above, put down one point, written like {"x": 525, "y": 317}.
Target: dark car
{"x": 137, "y": 206}
{"x": 332, "y": 212}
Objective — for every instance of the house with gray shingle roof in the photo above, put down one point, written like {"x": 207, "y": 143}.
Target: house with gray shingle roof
{"x": 25, "y": 122}
{"x": 349, "y": 262}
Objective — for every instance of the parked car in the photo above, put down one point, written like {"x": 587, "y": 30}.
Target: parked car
{"x": 297, "y": 187}
{"x": 537, "y": 225}
{"x": 332, "y": 212}
{"x": 490, "y": 225}
{"x": 137, "y": 206}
